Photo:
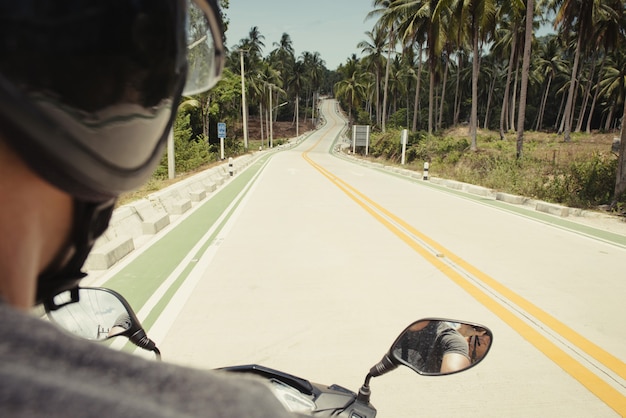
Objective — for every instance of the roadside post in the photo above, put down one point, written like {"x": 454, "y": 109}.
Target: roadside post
{"x": 425, "y": 175}
{"x": 230, "y": 166}
{"x": 403, "y": 139}
{"x": 221, "y": 133}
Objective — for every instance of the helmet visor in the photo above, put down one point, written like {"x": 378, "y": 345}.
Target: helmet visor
{"x": 205, "y": 48}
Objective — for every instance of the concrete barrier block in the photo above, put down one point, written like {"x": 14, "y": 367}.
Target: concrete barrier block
{"x": 153, "y": 225}
{"x": 108, "y": 253}
{"x": 153, "y": 215}
{"x": 480, "y": 191}
{"x": 180, "y": 207}
{"x": 197, "y": 195}
{"x": 124, "y": 221}
{"x": 172, "y": 201}
{"x": 509, "y": 198}
{"x": 456, "y": 185}
{"x": 552, "y": 209}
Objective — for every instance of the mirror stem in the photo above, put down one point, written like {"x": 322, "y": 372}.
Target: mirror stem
{"x": 384, "y": 366}
{"x": 365, "y": 392}
{"x": 140, "y": 339}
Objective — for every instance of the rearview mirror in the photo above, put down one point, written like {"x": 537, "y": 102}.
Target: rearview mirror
{"x": 90, "y": 313}
{"x": 96, "y": 313}
{"x": 438, "y": 347}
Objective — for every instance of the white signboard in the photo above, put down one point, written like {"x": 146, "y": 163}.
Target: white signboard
{"x": 361, "y": 137}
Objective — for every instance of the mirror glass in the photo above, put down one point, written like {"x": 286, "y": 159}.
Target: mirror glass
{"x": 96, "y": 314}
{"x": 438, "y": 347}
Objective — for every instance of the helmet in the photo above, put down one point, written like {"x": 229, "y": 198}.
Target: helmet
{"x": 89, "y": 88}
{"x": 89, "y": 91}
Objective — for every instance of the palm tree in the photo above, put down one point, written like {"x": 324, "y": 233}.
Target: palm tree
{"x": 480, "y": 17}
{"x": 315, "y": 66}
{"x": 374, "y": 49}
{"x": 549, "y": 64}
{"x": 458, "y": 32}
{"x": 414, "y": 14}
{"x": 530, "y": 15}
{"x": 607, "y": 34}
{"x": 296, "y": 81}
{"x": 614, "y": 85}
{"x": 351, "y": 87}
{"x": 491, "y": 70}
{"x": 508, "y": 36}
{"x": 255, "y": 42}
{"x": 271, "y": 82}
{"x": 387, "y": 21}
{"x": 579, "y": 17}
{"x": 282, "y": 57}
{"x": 412, "y": 31}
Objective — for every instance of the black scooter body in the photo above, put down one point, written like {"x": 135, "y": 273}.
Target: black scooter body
{"x": 330, "y": 401}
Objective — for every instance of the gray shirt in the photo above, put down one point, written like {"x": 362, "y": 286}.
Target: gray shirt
{"x": 45, "y": 372}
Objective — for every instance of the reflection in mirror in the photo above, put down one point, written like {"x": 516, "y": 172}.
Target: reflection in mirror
{"x": 438, "y": 347}
{"x": 93, "y": 314}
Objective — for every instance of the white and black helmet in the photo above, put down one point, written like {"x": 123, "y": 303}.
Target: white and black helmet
{"x": 89, "y": 91}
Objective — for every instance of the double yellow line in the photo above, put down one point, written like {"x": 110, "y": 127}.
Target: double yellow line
{"x": 411, "y": 236}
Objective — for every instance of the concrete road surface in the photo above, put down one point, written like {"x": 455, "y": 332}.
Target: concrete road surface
{"x": 318, "y": 263}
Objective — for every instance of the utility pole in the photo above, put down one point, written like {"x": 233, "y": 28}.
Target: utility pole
{"x": 244, "y": 109}
{"x": 271, "y": 143}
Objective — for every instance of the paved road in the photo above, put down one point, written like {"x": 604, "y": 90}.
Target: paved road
{"x": 318, "y": 263}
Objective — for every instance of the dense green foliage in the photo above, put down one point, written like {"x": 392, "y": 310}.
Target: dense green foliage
{"x": 432, "y": 65}
{"x": 584, "y": 179}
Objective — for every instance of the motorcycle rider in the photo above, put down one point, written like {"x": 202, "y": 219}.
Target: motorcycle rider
{"x": 435, "y": 347}
{"x": 88, "y": 93}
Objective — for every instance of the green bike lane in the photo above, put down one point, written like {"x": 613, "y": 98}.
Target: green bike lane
{"x": 162, "y": 267}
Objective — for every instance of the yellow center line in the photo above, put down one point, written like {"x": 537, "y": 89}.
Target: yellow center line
{"x": 591, "y": 381}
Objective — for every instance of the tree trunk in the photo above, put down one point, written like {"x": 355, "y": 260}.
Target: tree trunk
{"x": 620, "y": 181}
{"x": 514, "y": 97}
{"x": 457, "y": 94}
{"x": 542, "y": 109}
{"x": 595, "y": 95}
{"x": 475, "y": 70}
{"x": 530, "y": 8}
{"x": 297, "y": 115}
{"x": 261, "y": 118}
{"x": 431, "y": 97}
{"x": 443, "y": 93}
{"x": 416, "y": 106}
{"x": 586, "y": 95}
{"x": 559, "y": 114}
{"x": 569, "y": 105}
{"x": 436, "y": 107}
{"x": 384, "y": 118}
{"x": 609, "y": 119}
{"x": 507, "y": 86}
{"x": 205, "y": 118}
{"x": 491, "y": 89}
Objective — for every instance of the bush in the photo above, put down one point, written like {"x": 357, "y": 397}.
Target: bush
{"x": 190, "y": 153}
{"x": 398, "y": 120}
{"x": 583, "y": 183}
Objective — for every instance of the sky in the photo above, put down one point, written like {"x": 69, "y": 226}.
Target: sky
{"x": 331, "y": 27}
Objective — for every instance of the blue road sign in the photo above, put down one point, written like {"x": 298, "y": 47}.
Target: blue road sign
{"x": 221, "y": 130}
